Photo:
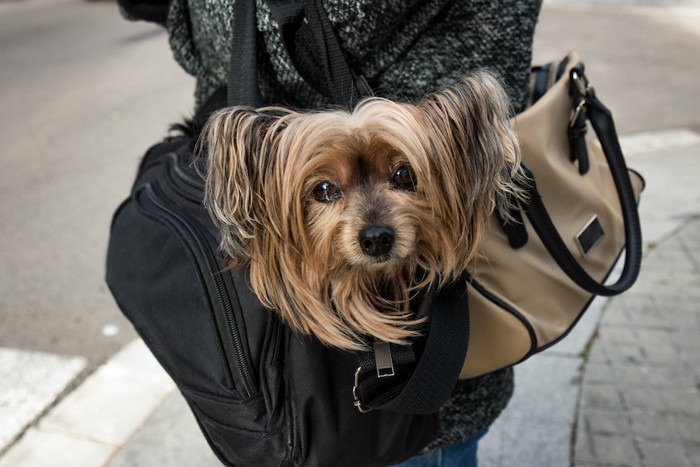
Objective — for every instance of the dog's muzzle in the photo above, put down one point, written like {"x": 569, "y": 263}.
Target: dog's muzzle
{"x": 376, "y": 241}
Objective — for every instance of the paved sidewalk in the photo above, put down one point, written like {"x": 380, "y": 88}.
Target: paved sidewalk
{"x": 640, "y": 397}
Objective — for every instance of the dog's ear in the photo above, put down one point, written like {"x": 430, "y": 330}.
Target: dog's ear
{"x": 239, "y": 144}
{"x": 476, "y": 151}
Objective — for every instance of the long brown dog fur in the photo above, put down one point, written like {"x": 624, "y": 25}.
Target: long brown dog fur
{"x": 304, "y": 255}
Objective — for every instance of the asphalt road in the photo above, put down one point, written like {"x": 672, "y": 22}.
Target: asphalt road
{"x": 82, "y": 94}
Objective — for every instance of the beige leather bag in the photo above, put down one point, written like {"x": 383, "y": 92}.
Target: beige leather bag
{"x": 534, "y": 280}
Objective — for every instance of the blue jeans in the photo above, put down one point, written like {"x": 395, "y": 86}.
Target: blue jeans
{"x": 457, "y": 455}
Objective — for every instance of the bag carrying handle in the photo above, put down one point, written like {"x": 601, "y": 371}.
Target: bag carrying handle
{"x": 604, "y": 126}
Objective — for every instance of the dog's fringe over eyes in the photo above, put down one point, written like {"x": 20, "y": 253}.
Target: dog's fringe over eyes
{"x": 344, "y": 266}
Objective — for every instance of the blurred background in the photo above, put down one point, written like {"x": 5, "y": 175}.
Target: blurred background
{"x": 83, "y": 93}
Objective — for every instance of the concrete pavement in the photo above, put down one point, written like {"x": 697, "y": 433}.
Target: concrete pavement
{"x": 639, "y": 402}
{"x": 621, "y": 390}
{"x": 83, "y": 93}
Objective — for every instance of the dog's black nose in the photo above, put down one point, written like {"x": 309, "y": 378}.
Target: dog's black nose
{"x": 376, "y": 240}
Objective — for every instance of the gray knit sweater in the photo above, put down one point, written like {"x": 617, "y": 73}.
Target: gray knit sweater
{"x": 409, "y": 48}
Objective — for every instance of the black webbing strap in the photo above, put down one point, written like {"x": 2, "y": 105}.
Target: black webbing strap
{"x": 425, "y": 389}
{"x": 243, "y": 86}
{"x": 604, "y": 126}
{"x": 338, "y": 75}
{"x": 312, "y": 44}
{"x": 315, "y": 51}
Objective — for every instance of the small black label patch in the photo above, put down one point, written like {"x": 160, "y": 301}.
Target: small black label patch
{"x": 590, "y": 235}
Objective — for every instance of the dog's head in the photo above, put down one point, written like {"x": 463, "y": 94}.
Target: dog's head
{"x": 343, "y": 216}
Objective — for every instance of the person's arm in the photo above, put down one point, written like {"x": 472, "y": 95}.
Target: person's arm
{"x": 155, "y": 11}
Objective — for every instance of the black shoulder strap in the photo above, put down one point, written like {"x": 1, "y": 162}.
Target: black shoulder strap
{"x": 325, "y": 55}
{"x": 422, "y": 387}
{"x": 243, "y": 86}
{"x": 311, "y": 43}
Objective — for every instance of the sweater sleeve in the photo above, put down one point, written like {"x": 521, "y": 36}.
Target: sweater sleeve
{"x": 155, "y": 11}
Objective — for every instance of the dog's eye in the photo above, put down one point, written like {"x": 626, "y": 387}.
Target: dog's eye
{"x": 404, "y": 178}
{"x": 326, "y": 192}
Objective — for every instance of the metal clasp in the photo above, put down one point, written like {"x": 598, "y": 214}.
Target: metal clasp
{"x": 355, "y": 393}
{"x": 385, "y": 368}
{"x": 580, "y": 81}
{"x": 582, "y": 86}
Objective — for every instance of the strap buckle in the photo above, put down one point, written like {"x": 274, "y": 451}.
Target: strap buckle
{"x": 576, "y": 112}
{"x": 384, "y": 364}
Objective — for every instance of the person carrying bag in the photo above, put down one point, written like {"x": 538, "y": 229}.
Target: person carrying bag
{"x": 261, "y": 394}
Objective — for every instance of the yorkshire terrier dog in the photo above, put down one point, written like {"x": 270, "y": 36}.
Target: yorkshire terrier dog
{"x": 344, "y": 216}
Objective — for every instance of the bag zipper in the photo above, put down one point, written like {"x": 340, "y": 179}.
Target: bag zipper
{"x": 276, "y": 333}
{"x": 189, "y": 226}
{"x": 178, "y": 174}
